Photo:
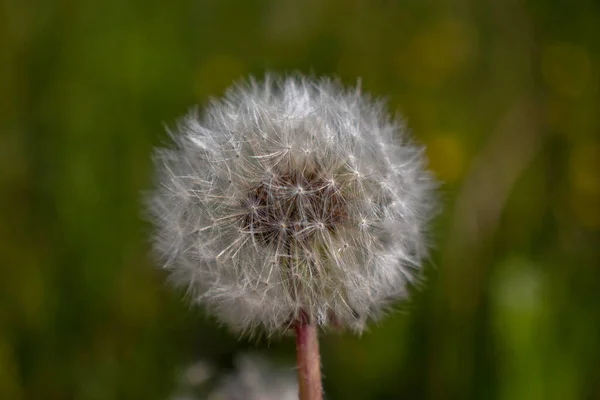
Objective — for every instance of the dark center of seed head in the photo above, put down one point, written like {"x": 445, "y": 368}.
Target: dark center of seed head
{"x": 289, "y": 209}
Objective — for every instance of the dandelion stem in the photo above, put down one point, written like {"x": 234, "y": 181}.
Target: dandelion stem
{"x": 308, "y": 360}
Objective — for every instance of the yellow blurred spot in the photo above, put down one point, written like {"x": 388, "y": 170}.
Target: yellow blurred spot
{"x": 584, "y": 176}
{"x": 446, "y": 156}
{"x": 216, "y": 74}
{"x": 566, "y": 68}
{"x": 584, "y": 168}
{"x": 586, "y": 210}
{"x": 441, "y": 50}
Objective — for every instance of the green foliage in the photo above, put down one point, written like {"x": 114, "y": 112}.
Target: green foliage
{"x": 504, "y": 94}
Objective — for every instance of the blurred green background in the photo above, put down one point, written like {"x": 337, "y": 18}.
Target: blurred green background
{"x": 504, "y": 93}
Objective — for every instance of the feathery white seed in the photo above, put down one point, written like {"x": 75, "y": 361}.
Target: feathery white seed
{"x": 292, "y": 197}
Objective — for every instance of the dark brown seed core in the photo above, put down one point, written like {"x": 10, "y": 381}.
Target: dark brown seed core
{"x": 289, "y": 209}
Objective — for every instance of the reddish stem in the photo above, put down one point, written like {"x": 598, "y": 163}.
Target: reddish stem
{"x": 308, "y": 359}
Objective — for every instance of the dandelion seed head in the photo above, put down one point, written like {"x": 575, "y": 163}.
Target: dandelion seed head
{"x": 290, "y": 198}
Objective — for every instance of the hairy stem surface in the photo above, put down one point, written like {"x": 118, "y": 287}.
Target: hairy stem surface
{"x": 308, "y": 361}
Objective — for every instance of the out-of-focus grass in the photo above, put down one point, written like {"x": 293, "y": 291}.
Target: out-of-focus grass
{"x": 504, "y": 94}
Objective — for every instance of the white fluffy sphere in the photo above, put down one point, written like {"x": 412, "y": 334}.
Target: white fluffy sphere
{"x": 292, "y": 198}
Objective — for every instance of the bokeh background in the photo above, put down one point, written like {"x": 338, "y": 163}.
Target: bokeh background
{"x": 504, "y": 93}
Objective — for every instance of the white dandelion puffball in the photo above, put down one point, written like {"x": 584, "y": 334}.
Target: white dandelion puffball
{"x": 292, "y": 198}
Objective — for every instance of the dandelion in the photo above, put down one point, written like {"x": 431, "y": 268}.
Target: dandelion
{"x": 292, "y": 203}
